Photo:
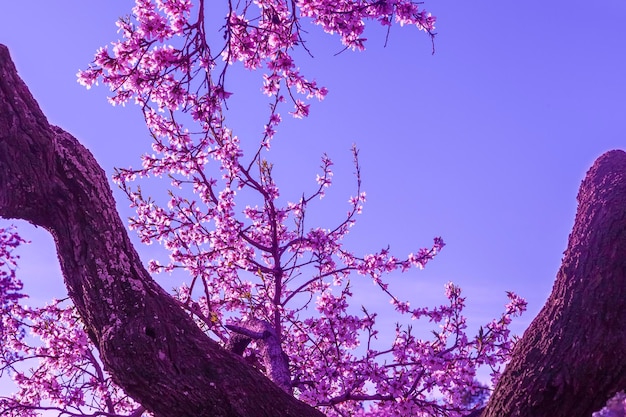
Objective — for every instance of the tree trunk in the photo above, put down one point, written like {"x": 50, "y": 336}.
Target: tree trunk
{"x": 151, "y": 347}
{"x": 572, "y": 358}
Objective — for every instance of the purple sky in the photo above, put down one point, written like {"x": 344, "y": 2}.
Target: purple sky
{"x": 484, "y": 143}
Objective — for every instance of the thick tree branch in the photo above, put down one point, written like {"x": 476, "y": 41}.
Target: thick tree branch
{"x": 274, "y": 359}
{"x": 150, "y": 346}
{"x": 572, "y": 358}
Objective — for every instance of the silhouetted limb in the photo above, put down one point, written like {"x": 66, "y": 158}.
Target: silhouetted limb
{"x": 572, "y": 358}
{"x": 151, "y": 347}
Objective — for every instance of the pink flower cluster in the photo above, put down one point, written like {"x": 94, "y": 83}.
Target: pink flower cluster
{"x": 250, "y": 253}
{"x": 10, "y": 286}
{"x": 47, "y": 354}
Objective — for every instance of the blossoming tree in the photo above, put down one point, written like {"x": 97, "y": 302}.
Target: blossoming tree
{"x": 268, "y": 295}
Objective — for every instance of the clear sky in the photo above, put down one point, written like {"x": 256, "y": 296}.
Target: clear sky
{"x": 484, "y": 143}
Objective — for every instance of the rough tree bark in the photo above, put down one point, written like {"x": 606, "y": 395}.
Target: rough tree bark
{"x": 151, "y": 347}
{"x": 572, "y": 358}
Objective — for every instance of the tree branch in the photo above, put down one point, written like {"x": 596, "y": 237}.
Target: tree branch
{"x": 274, "y": 359}
{"x": 151, "y": 347}
{"x": 571, "y": 358}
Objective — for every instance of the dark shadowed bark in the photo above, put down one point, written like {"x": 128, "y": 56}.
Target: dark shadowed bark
{"x": 572, "y": 358}
{"x": 150, "y": 346}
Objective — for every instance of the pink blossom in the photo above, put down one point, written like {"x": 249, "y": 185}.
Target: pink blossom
{"x": 250, "y": 252}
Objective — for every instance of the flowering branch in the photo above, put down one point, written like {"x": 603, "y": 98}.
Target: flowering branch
{"x": 257, "y": 269}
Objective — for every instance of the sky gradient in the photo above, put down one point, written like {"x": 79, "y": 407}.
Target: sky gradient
{"x": 484, "y": 142}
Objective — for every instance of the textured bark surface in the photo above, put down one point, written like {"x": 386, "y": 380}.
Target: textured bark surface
{"x": 150, "y": 346}
{"x": 572, "y": 358}
{"x": 273, "y": 359}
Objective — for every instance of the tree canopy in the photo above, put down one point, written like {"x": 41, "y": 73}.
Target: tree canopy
{"x": 270, "y": 295}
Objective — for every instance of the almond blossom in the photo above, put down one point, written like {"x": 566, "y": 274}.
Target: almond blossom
{"x": 252, "y": 258}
